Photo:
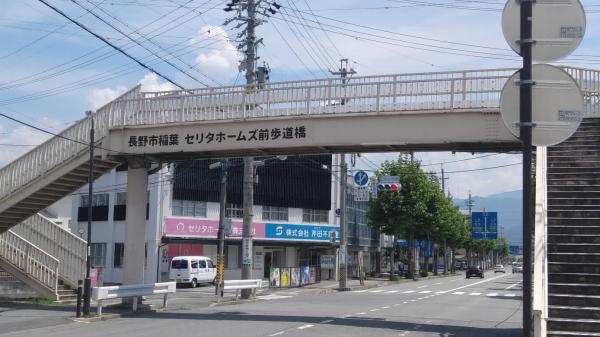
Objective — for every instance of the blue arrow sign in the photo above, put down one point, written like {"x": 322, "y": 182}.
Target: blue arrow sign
{"x": 361, "y": 178}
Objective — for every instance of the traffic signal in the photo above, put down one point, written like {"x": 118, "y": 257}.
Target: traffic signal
{"x": 388, "y": 187}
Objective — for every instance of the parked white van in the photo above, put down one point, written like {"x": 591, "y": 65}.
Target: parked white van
{"x": 192, "y": 270}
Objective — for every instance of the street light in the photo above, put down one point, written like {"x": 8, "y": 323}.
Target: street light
{"x": 87, "y": 287}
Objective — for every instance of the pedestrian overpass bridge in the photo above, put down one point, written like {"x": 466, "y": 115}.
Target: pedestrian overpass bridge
{"x": 453, "y": 111}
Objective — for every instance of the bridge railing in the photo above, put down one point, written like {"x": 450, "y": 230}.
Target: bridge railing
{"x": 407, "y": 92}
{"x": 58, "y": 242}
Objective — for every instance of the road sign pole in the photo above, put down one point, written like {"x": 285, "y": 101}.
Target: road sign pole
{"x": 525, "y": 108}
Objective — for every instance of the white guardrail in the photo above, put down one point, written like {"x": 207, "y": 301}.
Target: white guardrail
{"x": 99, "y": 294}
{"x": 237, "y": 285}
{"x": 29, "y": 259}
{"x": 441, "y": 91}
{"x": 540, "y": 264}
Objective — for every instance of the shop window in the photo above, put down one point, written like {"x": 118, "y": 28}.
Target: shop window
{"x": 189, "y": 208}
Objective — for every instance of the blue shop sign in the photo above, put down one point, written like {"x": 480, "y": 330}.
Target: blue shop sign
{"x": 300, "y": 232}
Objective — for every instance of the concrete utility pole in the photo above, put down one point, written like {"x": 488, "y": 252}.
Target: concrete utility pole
{"x": 343, "y": 266}
{"x": 87, "y": 286}
{"x": 224, "y": 165}
{"x": 249, "y": 161}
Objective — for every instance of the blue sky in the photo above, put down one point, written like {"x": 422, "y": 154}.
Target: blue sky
{"x": 52, "y": 71}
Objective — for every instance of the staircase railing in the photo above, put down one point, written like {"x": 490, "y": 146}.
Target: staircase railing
{"x": 540, "y": 264}
{"x": 30, "y": 260}
{"x": 60, "y": 243}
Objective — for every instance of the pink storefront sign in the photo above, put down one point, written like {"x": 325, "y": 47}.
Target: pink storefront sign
{"x": 200, "y": 228}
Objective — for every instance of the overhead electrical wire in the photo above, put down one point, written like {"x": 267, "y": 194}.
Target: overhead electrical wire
{"x": 165, "y": 77}
{"x": 293, "y": 50}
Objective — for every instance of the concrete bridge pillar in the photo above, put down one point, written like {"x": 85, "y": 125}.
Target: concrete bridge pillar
{"x": 135, "y": 224}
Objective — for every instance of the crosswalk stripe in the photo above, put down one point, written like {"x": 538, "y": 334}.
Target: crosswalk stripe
{"x": 392, "y": 291}
{"x": 492, "y": 294}
{"x": 408, "y": 292}
{"x": 458, "y": 293}
{"x": 425, "y": 292}
{"x": 510, "y": 295}
{"x": 474, "y": 294}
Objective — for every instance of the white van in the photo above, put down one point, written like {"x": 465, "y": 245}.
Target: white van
{"x": 192, "y": 270}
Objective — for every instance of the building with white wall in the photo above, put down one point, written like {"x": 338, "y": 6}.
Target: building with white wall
{"x": 294, "y": 217}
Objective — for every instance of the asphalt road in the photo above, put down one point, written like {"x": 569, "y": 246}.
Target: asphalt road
{"x": 448, "y": 307}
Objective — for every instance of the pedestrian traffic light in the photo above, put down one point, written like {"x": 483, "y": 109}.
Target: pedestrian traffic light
{"x": 388, "y": 187}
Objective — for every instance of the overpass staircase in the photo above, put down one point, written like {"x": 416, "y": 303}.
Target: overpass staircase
{"x": 573, "y": 233}
{"x": 44, "y": 256}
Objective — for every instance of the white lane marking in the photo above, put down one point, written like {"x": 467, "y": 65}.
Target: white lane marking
{"x": 277, "y": 333}
{"x": 413, "y": 300}
{"x": 404, "y": 302}
{"x": 492, "y": 294}
{"x": 514, "y": 285}
{"x": 272, "y": 297}
{"x": 458, "y": 293}
{"x": 376, "y": 291}
{"x": 425, "y": 292}
{"x": 420, "y": 298}
{"x": 305, "y": 327}
{"x": 408, "y": 292}
{"x": 376, "y": 309}
{"x": 346, "y": 316}
{"x": 361, "y": 291}
{"x": 392, "y": 291}
{"x": 440, "y": 292}
{"x": 326, "y": 321}
{"x": 509, "y": 295}
{"x": 437, "y": 284}
{"x": 361, "y": 313}
{"x": 474, "y": 294}
{"x": 397, "y": 304}
{"x": 422, "y": 287}
{"x": 386, "y": 307}
{"x": 476, "y": 283}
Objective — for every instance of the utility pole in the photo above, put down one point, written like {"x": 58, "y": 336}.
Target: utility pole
{"x": 87, "y": 286}
{"x": 444, "y": 178}
{"x": 224, "y": 165}
{"x": 343, "y": 71}
{"x": 252, "y": 8}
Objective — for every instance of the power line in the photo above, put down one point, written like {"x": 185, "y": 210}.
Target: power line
{"x": 292, "y": 50}
{"x": 461, "y": 160}
{"x": 110, "y": 44}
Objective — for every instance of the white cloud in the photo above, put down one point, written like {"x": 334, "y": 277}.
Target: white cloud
{"x": 151, "y": 83}
{"x": 21, "y": 136}
{"x": 96, "y": 98}
{"x": 221, "y": 61}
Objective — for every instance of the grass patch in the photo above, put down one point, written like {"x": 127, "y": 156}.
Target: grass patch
{"x": 41, "y": 300}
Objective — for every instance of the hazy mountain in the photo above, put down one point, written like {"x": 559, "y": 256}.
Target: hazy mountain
{"x": 509, "y": 208}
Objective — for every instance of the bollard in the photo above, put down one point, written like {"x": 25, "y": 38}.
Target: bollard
{"x": 79, "y": 296}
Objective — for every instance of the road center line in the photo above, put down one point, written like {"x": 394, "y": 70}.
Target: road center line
{"x": 277, "y": 333}
{"x": 326, "y": 321}
{"x": 476, "y": 283}
{"x": 422, "y": 287}
{"x": 305, "y": 327}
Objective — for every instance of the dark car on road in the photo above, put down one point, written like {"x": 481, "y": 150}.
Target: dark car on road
{"x": 474, "y": 271}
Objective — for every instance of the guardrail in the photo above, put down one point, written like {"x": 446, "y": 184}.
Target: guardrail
{"x": 237, "y": 285}
{"x": 100, "y": 294}
{"x": 58, "y": 242}
{"x": 30, "y": 260}
{"x": 540, "y": 264}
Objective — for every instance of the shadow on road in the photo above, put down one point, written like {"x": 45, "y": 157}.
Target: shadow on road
{"x": 359, "y": 322}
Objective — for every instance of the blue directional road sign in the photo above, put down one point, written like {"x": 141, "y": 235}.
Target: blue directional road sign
{"x": 361, "y": 178}
{"x": 484, "y": 225}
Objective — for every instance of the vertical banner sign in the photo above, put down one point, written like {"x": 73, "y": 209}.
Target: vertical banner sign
{"x": 342, "y": 252}
{"x": 247, "y": 251}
